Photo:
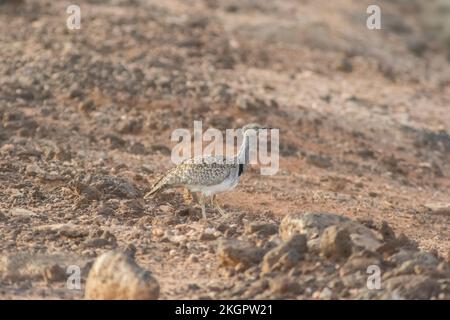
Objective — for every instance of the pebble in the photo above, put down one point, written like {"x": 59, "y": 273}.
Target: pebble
{"x": 335, "y": 243}
{"x": 438, "y": 208}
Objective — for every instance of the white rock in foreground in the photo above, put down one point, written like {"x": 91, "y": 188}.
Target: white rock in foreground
{"x": 116, "y": 276}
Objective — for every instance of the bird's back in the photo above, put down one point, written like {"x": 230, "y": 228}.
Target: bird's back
{"x": 206, "y": 171}
{"x": 199, "y": 172}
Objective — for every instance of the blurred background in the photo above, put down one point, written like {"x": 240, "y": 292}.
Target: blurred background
{"x": 86, "y": 117}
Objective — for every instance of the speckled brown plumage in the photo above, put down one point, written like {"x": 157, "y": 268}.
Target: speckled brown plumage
{"x": 211, "y": 171}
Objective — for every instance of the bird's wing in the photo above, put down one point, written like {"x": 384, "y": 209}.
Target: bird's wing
{"x": 206, "y": 173}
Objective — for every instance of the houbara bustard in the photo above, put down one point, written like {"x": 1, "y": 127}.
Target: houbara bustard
{"x": 209, "y": 175}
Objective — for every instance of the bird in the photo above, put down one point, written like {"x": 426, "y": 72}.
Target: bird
{"x": 209, "y": 175}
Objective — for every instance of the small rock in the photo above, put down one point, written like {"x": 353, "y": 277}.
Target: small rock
{"x": 312, "y": 224}
{"x": 166, "y": 209}
{"x": 137, "y": 148}
{"x": 96, "y": 243}
{"x": 131, "y": 126}
{"x": 208, "y": 235}
{"x": 114, "y": 141}
{"x": 157, "y": 232}
{"x": 100, "y": 239}
{"x": 286, "y": 255}
{"x": 192, "y": 259}
{"x": 319, "y": 161}
{"x": 105, "y": 210}
{"x": 354, "y": 272}
{"x": 256, "y": 288}
{"x": 86, "y": 106}
{"x": 63, "y": 153}
{"x": 359, "y": 262}
{"x": 75, "y": 91}
{"x": 345, "y": 65}
{"x": 193, "y": 287}
{"x": 68, "y": 230}
{"x": 404, "y": 255}
{"x": 326, "y": 294}
{"x": 33, "y": 170}
{"x": 439, "y": 141}
{"x": 386, "y": 231}
{"x": 335, "y": 243}
{"x": 414, "y": 262}
{"x": 178, "y": 238}
{"x": 162, "y": 149}
{"x": 55, "y": 273}
{"x": 115, "y": 187}
{"x": 410, "y": 287}
{"x": 285, "y": 285}
{"x": 25, "y": 266}
{"x": 86, "y": 192}
{"x": 392, "y": 246}
{"x": 116, "y": 275}
{"x": 439, "y": 208}
{"x": 234, "y": 253}
{"x": 131, "y": 207}
{"x": 417, "y": 46}
{"x": 261, "y": 229}
{"x": 246, "y": 103}
{"x": 288, "y": 149}
{"x": 20, "y": 212}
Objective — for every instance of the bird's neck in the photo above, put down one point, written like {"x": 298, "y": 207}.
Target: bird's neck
{"x": 243, "y": 154}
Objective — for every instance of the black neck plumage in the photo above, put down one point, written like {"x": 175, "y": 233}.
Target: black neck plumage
{"x": 241, "y": 169}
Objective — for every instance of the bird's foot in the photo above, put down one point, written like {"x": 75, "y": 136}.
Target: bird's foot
{"x": 217, "y": 206}
{"x": 203, "y": 206}
{"x": 221, "y": 211}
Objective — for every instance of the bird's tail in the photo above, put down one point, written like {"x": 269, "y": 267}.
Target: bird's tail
{"x": 157, "y": 187}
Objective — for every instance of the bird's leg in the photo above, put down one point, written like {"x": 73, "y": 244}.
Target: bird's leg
{"x": 194, "y": 197}
{"x": 201, "y": 201}
{"x": 216, "y": 205}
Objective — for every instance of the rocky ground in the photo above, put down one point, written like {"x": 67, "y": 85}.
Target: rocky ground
{"x": 86, "y": 118}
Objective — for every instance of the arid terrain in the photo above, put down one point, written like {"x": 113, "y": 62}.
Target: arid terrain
{"x": 364, "y": 119}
